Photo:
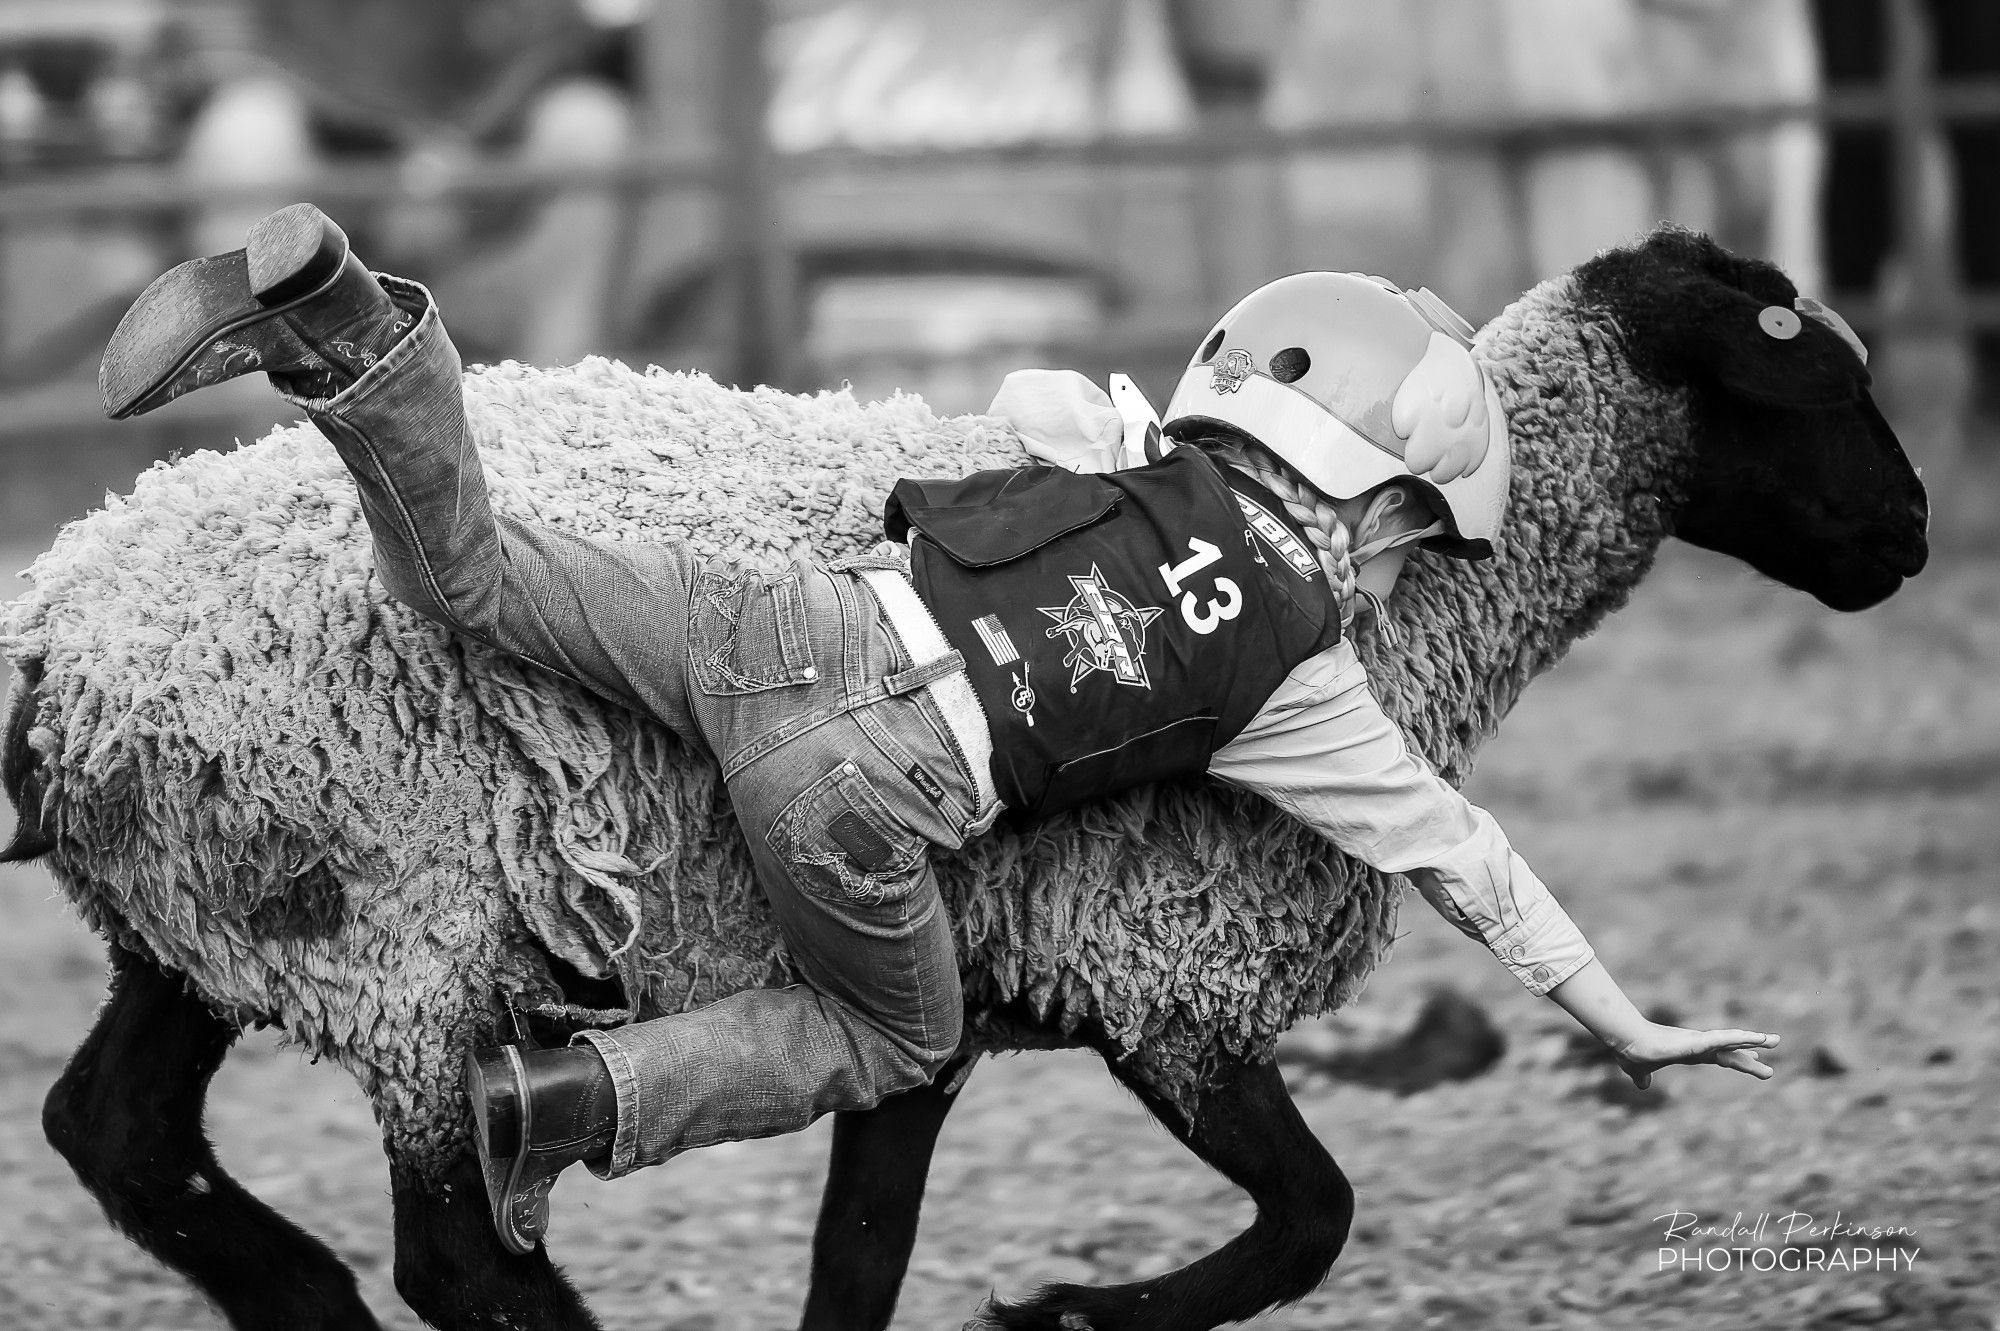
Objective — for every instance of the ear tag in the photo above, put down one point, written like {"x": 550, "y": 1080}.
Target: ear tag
{"x": 1825, "y": 314}
{"x": 1778, "y": 322}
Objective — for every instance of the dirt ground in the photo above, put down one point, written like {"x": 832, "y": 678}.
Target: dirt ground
{"x": 1762, "y": 812}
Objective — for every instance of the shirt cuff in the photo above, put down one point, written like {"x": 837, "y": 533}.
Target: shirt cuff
{"x": 1063, "y": 419}
{"x": 1545, "y": 948}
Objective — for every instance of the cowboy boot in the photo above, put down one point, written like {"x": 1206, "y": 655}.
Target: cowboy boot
{"x": 536, "y": 1112}
{"x": 293, "y": 302}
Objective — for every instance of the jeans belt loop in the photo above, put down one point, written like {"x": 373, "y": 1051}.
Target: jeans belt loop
{"x": 951, "y": 690}
{"x": 922, "y": 676}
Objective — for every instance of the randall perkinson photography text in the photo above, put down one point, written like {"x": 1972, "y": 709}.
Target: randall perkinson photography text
{"x": 1795, "y": 1241}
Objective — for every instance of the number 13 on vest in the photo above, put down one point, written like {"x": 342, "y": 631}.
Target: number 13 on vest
{"x": 1174, "y": 575}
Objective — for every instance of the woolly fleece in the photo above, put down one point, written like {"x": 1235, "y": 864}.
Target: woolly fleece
{"x": 330, "y": 814}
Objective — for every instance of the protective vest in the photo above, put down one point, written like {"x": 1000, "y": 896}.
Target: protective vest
{"x": 1118, "y": 628}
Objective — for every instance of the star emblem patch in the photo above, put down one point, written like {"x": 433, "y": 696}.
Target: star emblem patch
{"x": 1105, "y": 631}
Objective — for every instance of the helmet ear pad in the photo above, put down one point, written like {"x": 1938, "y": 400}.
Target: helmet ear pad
{"x": 1440, "y": 410}
{"x": 1689, "y": 312}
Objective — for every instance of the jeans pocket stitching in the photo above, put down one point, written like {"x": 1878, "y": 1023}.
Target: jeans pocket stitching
{"x": 715, "y": 635}
{"x": 802, "y": 847}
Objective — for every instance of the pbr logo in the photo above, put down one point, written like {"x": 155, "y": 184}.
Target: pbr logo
{"x": 1289, "y": 547}
{"x": 1105, "y": 632}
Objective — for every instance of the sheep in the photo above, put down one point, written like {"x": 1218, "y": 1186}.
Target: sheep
{"x": 284, "y": 799}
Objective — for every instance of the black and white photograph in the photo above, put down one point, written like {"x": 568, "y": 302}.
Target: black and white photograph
{"x": 1055, "y": 665}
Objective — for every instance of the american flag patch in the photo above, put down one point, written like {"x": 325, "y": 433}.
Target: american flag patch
{"x": 998, "y": 644}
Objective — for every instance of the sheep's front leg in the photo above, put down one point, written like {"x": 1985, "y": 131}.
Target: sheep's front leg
{"x": 452, "y": 1269}
{"x": 868, "y": 1211}
{"x": 1245, "y": 1125}
{"x": 127, "y": 1115}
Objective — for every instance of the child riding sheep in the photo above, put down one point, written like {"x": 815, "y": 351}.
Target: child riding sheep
{"x": 1050, "y": 635}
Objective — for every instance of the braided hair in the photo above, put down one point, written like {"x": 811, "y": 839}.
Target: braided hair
{"x": 1313, "y": 511}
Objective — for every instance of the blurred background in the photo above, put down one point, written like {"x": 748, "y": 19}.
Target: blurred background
{"x": 925, "y": 193}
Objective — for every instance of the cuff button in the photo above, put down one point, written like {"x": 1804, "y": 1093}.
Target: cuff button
{"x": 1516, "y": 952}
{"x": 1541, "y": 974}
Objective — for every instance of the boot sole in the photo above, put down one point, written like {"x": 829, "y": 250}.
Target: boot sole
{"x": 502, "y": 1173}
{"x": 290, "y": 256}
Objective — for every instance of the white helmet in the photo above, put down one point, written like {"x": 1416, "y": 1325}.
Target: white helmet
{"x": 1353, "y": 383}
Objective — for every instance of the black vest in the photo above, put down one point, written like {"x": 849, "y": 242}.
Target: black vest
{"x": 1118, "y": 628}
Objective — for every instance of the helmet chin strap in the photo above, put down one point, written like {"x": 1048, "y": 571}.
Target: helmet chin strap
{"x": 1379, "y": 515}
{"x": 1382, "y": 512}
{"x": 1381, "y": 545}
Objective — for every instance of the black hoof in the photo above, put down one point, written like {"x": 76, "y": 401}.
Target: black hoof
{"x": 1060, "y": 1307}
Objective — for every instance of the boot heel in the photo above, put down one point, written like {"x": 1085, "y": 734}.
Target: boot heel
{"x": 292, "y": 253}
{"x": 494, "y": 1085}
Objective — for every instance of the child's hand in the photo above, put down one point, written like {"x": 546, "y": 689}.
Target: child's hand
{"x": 1644, "y": 1047}
{"x": 1656, "y": 1046}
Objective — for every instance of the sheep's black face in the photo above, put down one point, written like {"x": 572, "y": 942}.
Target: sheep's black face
{"x": 1822, "y": 499}
{"x": 1794, "y": 471}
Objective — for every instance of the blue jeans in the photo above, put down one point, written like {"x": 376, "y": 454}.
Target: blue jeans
{"x": 846, "y": 756}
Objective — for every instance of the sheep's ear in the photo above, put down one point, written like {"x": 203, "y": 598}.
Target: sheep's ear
{"x": 1691, "y": 312}
{"x": 1773, "y": 354}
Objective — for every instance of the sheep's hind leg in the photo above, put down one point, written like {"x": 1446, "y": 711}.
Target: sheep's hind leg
{"x": 868, "y": 1210}
{"x": 451, "y": 1268}
{"x": 1245, "y": 1125}
{"x": 127, "y": 1115}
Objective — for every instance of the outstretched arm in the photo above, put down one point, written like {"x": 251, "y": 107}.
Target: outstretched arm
{"x": 1644, "y": 1047}
{"x": 1323, "y": 750}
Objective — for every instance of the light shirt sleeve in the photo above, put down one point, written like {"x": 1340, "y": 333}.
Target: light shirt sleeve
{"x": 1323, "y": 750}
{"x": 1064, "y": 419}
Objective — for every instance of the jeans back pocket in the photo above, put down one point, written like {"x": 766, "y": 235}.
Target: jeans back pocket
{"x": 748, "y": 633}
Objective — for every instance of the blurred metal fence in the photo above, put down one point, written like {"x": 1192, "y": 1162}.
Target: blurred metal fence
{"x": 751, "y": 182}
